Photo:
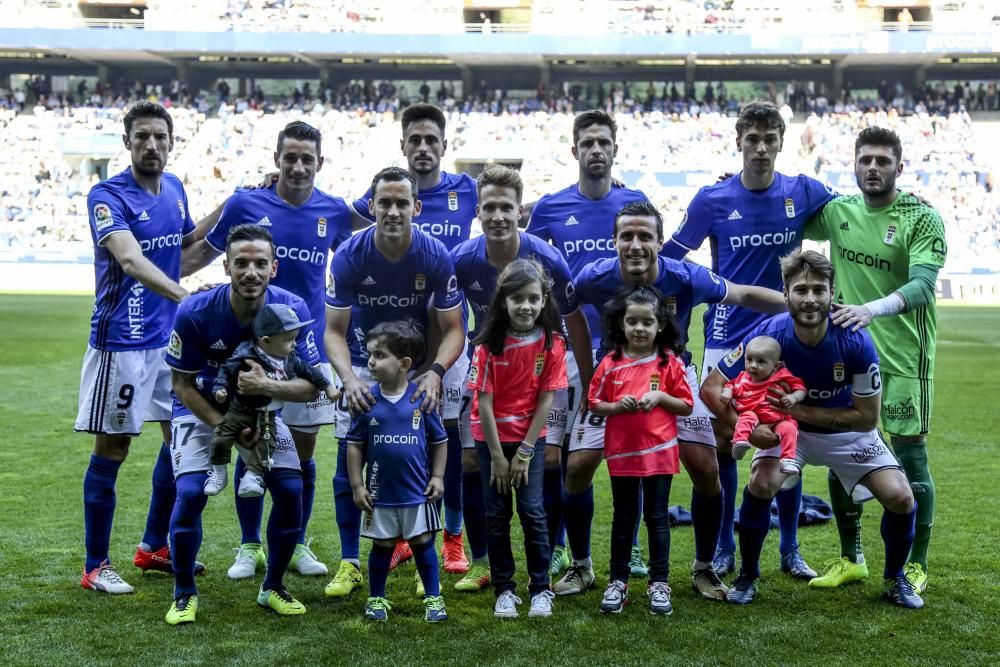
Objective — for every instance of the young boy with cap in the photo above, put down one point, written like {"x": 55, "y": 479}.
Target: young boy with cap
{"x": 275, "y": 329}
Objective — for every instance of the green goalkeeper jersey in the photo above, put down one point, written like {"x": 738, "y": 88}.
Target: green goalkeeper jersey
{"x": 872, "y": 250}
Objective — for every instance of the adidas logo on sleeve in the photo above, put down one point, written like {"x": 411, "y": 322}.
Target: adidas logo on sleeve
{"x": 264, "y": 222}
{"x": 143, "y": 217}
{"x": 219, "y": 345}
{"x": 735, "y": 215}
{"x": 475, "y": 286}
{"x": 571, "y": 220}
{"x": 368, "y": 281}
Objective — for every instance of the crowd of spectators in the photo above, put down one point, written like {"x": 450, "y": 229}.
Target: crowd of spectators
{"x": 43, "y": 190}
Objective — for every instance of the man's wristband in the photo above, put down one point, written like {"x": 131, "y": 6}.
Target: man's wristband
{"x": 439, "y": 369}
{"x": 888, "y": 305}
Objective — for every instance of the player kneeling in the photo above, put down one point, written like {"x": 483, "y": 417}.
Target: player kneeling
{"x": 400, "y": 492}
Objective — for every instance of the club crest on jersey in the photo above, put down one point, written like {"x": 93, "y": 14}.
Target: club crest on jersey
{"x": 321, "y": 227}
{"x": 890, "y": 234}
{"x": 120, "y": 418}
{"x": 452, "y": 201}
{"x": 838, "y": 372}
{"x": 420, "y": 282}
{"x": 102, "y": 217}
{"x": 175, "y": 347}
{"x": 670, "y": 303}
{"x": 539, "y": 364}
{"x": 735, "y": 355}
{"x": 416, "y": 419}
{"x": 790, "y": 207}
{"x": 654, "y": 382}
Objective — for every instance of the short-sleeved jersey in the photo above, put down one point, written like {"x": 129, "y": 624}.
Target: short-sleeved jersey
{"x": 748, "y": 231}
{"x": 396, "y": 437}
{"x": 751, "y": 396}
{"x": 477, "y": 278}
{"x": 376, "y": 290}
{"x": 581, "y": 229}
{"x": 206, "y": 332}
{"x": 640, "y": 444}
{"x": 127, "y": 316}
{"x": 842, "y": 365}
{"x": 872, "y": 251}
{"x": 515, "y": 378}
{"x": 447, "y": 210}
{"x": 303, "y": 238}
{"x": 683, "y": 284}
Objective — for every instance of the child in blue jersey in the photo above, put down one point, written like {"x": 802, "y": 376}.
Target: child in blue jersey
{"x": 276, "y": 328}
{"x": 405, "y": 453}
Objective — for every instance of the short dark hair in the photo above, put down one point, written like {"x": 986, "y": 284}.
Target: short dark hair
{"x": 502, "y": 177}
{"x": 594, "y": 117}
{"x": 401, "y": 338}
{"x": 395, "y": 175}
{"x": 644, "y": 208}
{"x": 805, "y": 261}
{"x": 249, "y": 232}
{"x": 879, "y": 136}
{"x": 760, "y": 113}
{"x": 422, "y": 111}
{"x": 303, "y": 132}
{"x": 147, "y": 110}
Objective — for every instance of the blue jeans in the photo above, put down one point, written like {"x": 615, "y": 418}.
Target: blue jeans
{"x": 531, "y": 511}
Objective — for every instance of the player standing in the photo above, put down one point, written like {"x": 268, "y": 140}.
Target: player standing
{"x": 306, "y": 225}
{"x": 578, "y": 222}
{"x": 139, "y": 221}
{"x": 837, "y": 424}
{"x": 386, "y": 272}
{"x": 887, "y": 248}
{"x": 448, "y": 207}
{"x": 751, "y": 219}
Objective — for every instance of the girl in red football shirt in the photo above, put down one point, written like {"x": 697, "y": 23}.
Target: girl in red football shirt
{"x": 516, "y": 369}
{"x": 641, "y": 387}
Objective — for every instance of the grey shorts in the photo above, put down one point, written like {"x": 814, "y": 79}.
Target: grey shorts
{"x": 191, "y": 446}
{"x": 390, "y": 523}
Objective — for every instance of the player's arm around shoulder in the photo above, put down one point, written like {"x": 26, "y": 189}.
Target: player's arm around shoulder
{"x": 124, "y": 247}
{"x": 761, "y": 299}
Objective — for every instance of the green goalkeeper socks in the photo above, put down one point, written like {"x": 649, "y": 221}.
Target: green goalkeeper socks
{"x": 913, "y": 457}
{"x": 848, "y": 516}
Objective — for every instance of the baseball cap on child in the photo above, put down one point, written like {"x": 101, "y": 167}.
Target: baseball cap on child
{"x": 276, "y": 318}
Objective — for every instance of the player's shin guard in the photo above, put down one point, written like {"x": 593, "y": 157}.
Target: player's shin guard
{"x": 348, "y": 514}
{"x": 913, "y": 457}
{"x": 378, "y": 570}
{"x": 897, "y": 533}
{"x": 474, "y": 512}
{"x": 99, "y": 507}
{"x": 284, "y": 523}
{"x": 426, "y": 560}
{"x": 789, "y": 502}
{"x": 578, "y": 510}
{"x": 552, "y": 500}
{"x": 308, "y": 495}
{"x": 185, "y": 530}
{"x": 453, "y": 483}
{"x": 847, "y": 513}
{"x": 706, "y": 514}
{"x": 249, "y": 511}
{"x": 755, "y": 521}
{"x": 161, "y": 501}
{"x": 729, "y": 477}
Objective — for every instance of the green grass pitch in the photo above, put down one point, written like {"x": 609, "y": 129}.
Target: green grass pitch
{"x": 48, "y": 619}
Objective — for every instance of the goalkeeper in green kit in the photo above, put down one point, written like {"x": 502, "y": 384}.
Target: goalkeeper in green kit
{"x": 887, "y": 247}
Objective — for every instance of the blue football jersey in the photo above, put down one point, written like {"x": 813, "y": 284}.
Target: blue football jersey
{"x": 844, "y": 363}
{"x": 477, "y": 278}
{"x": 303, "y": 238}
{"x": 397, "y": 438}
{"x": 582, "y": 230}
{"x": 206, "y": 332}
{"x": 749, "y": 230}
{"x": 683, "y": 284}
{"x": 376, "y": 290}
{"x": 127, "y": 316}
{"x": 447, "y": 210}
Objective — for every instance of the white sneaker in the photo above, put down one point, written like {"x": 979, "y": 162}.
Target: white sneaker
{"x": 541, "y": 605}
{"x": 252, "y": 485}
{"x": 577, "y": 579}
{"x": 304, "y": 562}
{"x": 740, "y": 450}
{"x": 506, "y": 606}
{"x": 789, "y": 466}
{"x": 105, "y": 578}
{"x": 248, "y": 558}
{"x": 218, "y": 478}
